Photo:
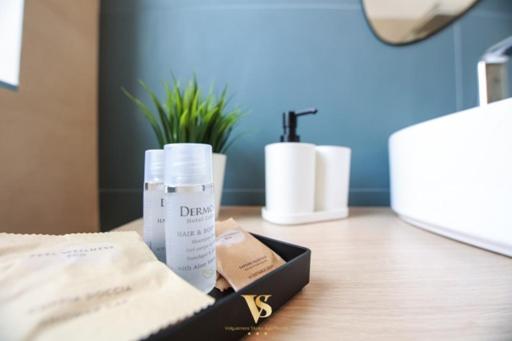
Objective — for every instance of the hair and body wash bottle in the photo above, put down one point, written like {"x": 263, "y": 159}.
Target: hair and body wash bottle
{"x": 153, "y": 202}
{"x": 190, "y": 213}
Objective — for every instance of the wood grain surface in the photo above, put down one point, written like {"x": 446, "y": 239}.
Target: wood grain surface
{"x": 48, "y": 127}
{"x": 374, "y": 277}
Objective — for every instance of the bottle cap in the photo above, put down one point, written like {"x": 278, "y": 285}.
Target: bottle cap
{"x": 188, "y": 164}
{"x": 154, "y": 165}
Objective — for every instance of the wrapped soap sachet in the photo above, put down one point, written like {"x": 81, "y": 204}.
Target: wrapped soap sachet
{"x": 88, "y": 286}
{"x": 241, "y": 258}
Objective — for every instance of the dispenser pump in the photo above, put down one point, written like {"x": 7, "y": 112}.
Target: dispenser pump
{"x": 290, "y": 124}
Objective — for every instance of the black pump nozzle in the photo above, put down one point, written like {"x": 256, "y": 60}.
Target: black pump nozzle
{"x": 290, "y": 124}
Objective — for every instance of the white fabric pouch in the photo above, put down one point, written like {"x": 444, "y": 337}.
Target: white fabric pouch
{"x": 98, "y": 286}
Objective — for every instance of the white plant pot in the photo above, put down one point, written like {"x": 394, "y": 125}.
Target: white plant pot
{"x": 219, "y": 165}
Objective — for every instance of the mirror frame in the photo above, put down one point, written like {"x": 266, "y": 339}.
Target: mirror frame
{"x": 433, "y": 33}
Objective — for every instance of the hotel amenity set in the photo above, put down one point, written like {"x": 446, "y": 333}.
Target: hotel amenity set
{"x": 179, "y": 222}
{"x": 102, "y": 279}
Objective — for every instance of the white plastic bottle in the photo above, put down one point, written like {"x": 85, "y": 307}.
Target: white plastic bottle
{"x": 153, "y": 206}
{"x": 190, "y": 213}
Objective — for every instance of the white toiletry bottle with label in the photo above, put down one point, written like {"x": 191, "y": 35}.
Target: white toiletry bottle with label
{"x": 153, "y": 202}
{"x": 190, "y": 213}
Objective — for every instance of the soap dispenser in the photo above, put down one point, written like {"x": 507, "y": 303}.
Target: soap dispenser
{"x": 289, "y": 172}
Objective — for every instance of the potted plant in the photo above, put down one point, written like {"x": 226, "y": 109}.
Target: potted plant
{"x": 184, "y": 115}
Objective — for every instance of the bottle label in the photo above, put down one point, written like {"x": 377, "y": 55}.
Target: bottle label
{"x": 154, "y": 221}
{"x": 190, "y": 237}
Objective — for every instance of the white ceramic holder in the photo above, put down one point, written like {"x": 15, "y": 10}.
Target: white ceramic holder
{"x": 332, "y": 178}
{"x": 305, "y": 183}
{"x": 303, "y": 218}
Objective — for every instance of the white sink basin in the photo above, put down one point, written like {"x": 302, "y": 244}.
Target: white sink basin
{"x": 453, "y": 176}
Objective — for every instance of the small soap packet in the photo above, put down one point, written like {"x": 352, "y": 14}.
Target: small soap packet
{"x": 221, "y": 284}
{"x": 94, "y": 286}
{"x": 241, "y": 258}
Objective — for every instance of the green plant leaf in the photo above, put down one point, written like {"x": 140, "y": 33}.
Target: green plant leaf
{"x": 185, "y": 115}
{"x": 161, "y": 112}
{"x": 149, "y": 116}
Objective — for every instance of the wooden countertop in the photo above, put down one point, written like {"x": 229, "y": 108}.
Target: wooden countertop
{"x": 376, "y": 277}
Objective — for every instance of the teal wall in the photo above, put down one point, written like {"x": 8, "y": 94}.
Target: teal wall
{"x": 278, "y": 55}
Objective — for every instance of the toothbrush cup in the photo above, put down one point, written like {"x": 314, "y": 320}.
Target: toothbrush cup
{"x": 332, "y": 178}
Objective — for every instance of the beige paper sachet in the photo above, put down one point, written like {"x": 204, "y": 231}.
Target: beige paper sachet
{"x": 221, "y": 283}
{"x": 241, "y": 258}
{"x": 98, "y": 286}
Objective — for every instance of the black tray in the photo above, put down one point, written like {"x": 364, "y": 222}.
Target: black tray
{"x": 229, "y": 318}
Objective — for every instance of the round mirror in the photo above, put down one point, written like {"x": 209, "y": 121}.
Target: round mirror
{"x": 401, "y": 22}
